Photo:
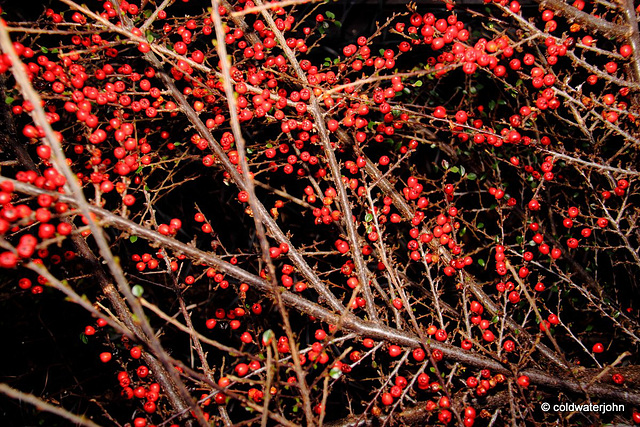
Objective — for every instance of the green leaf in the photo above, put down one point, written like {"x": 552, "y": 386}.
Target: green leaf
{"x": 44, "y": 49}
{"x": 330, "y": 14}
{"x": 588, "y": 328}
{"x": 368, "y": 217}
{"x": 455, "y": 169}
{"x": 338, "y": 24}
{"x": 480, "y": 225}
{"x": 84, "y": 338}
{"x": 481, "y": 262}
{"x": 133, "y": 239}
{"x": 150, "y": 37}
{"x": 137, "y": 290}
{"x": 418, "y": 83}
{"x": 335, "y": 373}
{"x": 54, "y": 50}
{"x": 9, "y": 100}
{"x": 472, "y": 176}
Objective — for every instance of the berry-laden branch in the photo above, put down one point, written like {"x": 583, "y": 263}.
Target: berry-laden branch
{"x": 431, "y": 223}
{"x": 350, "y": 322}
{"x": 354, "y": 244}
{"x": 182, "y": 397}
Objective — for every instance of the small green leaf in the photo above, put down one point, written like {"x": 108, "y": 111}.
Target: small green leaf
{"x": 418, "y": 83}
{"x": 9, "y": 100}
{"x": 368, "y": 217}
{"x": 330, "y": 14}
{"x": 84, "y": 338}
{"x": 44, "y": 49}
{"x": 133, "y": 239}
{"x": 480, "y": 225}
{"x": 335, "y": 373}
{"x": 150, "y": 38}
{"x": 137, "y": 290}
{"x": 455, "y": 169}
{"x": 338, "y": 24}
{"x": 481, "y": 262}
{"x": 588, "y": 328}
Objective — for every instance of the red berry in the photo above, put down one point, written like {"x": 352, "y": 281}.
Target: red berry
{"x": 523, "y": 381}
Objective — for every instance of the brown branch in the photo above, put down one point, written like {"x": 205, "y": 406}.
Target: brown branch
{"x": 41, "y": 405}
{"x": 589, "y": 21}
